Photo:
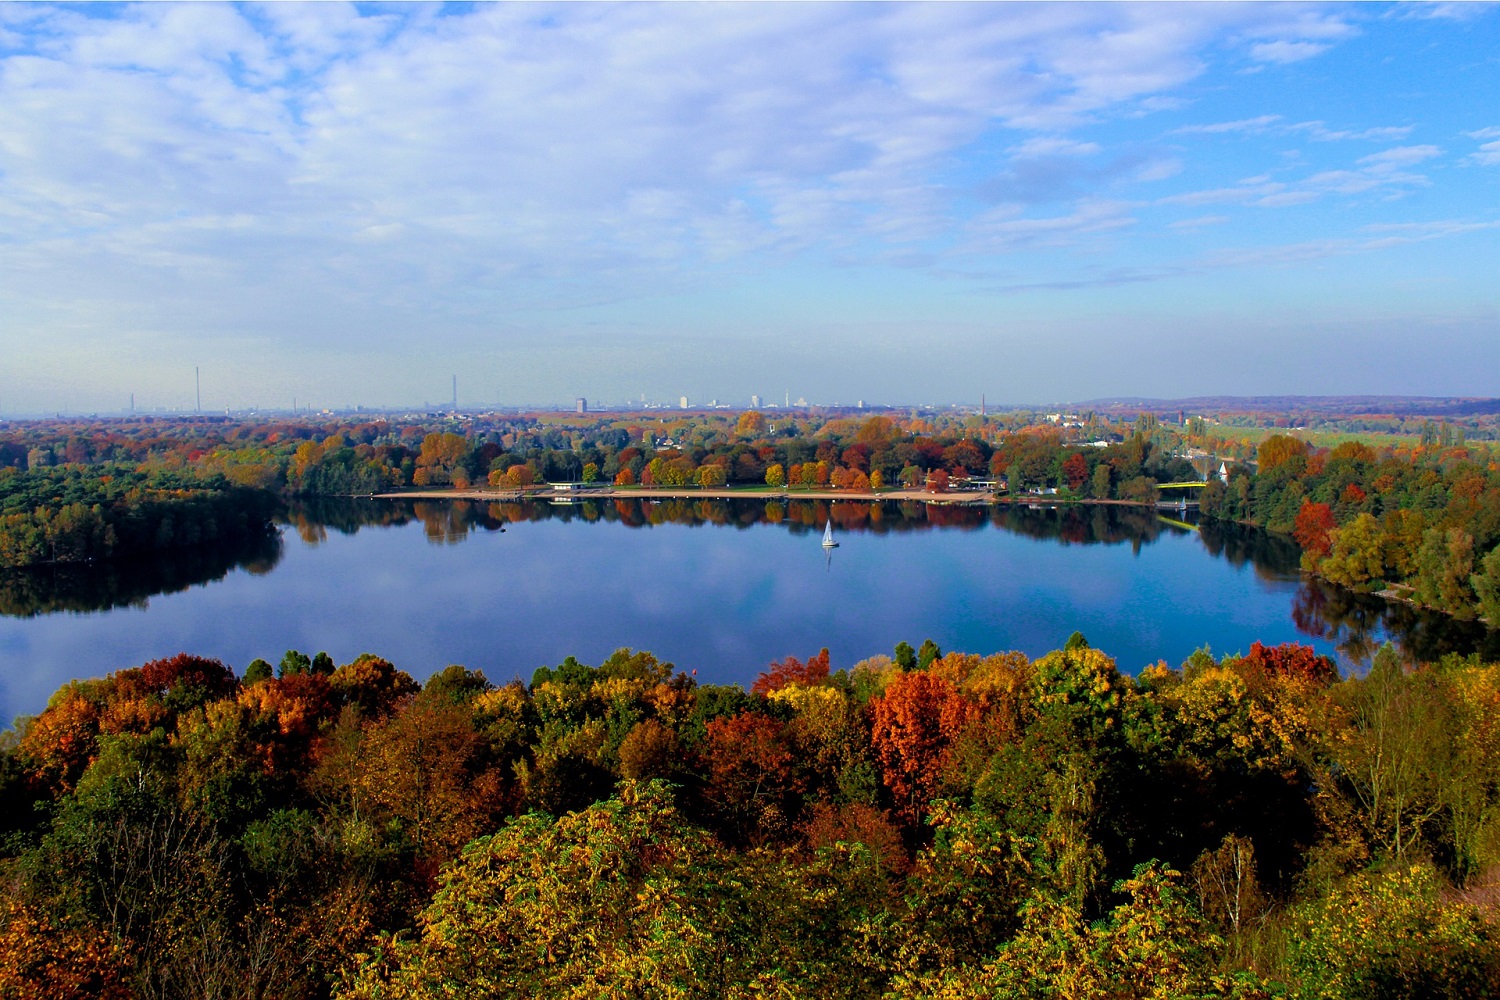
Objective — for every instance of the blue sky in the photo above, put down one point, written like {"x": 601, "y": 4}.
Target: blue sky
{"x": 896, "y": 203}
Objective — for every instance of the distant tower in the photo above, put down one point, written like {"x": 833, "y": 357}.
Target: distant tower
{"x": 132, "y": 402}
{"x": 682, "y": 403}
{"x": 582, "y": 404}
{"x": 981, "y": 404}
{"x": 455, "y": 392}
{"x": 754, "y": 402}
{"x": 198, "y": 387}
{"x": 789, "y": 398}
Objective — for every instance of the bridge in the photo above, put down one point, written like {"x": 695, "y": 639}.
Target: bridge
{"x": 1179, "y": 502}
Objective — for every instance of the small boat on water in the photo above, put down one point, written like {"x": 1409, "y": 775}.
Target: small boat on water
{"x": 828, "y": 542}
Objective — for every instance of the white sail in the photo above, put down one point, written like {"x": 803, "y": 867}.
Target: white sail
{"x": 828, "y": 542}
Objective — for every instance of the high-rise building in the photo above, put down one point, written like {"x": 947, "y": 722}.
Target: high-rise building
{"x": 682, "y": 403}
{"x": 754, "y": 402}
{"x": 582, "y": 404}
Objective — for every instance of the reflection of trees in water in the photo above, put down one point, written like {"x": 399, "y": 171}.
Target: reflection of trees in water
{"x": 448, "y": 521}
{"x": 1355, "y": 623}
{"x": 1271, "y": 556}
{"x": 312, "y": 517}
{"x": 1358, "y": 624}
{"x": 26, "y": 593}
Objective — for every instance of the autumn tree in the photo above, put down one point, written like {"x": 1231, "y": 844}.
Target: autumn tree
{"x": 1278, "y": 450}
{"x": 424, "y": 769}
{"x": 1314, "y": 523}
{"x": 60, "y": 959}
{"x": 752, "y": 423}
{"x": 1075, "y": 470}
{"x": 749, "y": 778}
{"x": 913, "y": 723}
{"x": 792, "y": 671}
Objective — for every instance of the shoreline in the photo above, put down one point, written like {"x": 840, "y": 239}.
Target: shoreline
{"x": 720, "y": 493}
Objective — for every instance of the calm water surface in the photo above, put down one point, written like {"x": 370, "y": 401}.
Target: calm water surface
{"x": 720, "y": 588}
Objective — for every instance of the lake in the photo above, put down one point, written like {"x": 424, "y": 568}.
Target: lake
{"x": 717, "y": 587}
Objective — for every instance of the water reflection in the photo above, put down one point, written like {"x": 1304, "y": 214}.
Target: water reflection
{"x": 1355, "y": 624}
{"x": 26, "y": 593}
{"x": 1358, "y": 623}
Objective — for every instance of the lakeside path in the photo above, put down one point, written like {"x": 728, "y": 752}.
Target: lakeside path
{"x": 720, "y": 493}
{"x": 689, "y": 493}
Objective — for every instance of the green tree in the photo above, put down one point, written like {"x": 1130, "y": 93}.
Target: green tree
{"x": 1391, "y": 934}
{"x": 1486, "y": 583}
{"x": 294, "y": 663}
{"x": 1100, "y": 484}
{"x": 1445, "y": 562}
{"x": 1355, "y": 553}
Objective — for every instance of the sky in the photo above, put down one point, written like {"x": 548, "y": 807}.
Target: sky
{"x": 897, "y": 203}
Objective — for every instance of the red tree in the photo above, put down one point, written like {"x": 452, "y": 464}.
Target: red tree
{"x": 1314, "y": 522}
{"x": 750, "y": 781}
{"x": 1292, "y": 661}
{"x": 1075, "y": 470}
{"x": 790, "y": 671}
{"x": 915, "y": 721}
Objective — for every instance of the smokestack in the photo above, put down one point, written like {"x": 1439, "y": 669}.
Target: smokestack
{"x": 198, "y": 387}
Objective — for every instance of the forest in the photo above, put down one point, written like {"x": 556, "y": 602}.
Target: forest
{"x": 1422, "y": 526}
{"x": 924, "y": 824}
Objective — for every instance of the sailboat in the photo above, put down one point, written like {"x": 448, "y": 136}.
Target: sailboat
{"x": 828, "y": 542}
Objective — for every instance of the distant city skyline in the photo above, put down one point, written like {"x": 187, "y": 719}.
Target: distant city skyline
{"x": 900, "y": 203}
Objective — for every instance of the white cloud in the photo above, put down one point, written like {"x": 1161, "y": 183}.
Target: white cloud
{"x": 1006, "y": 228}
{"x": 348, "y": 175}
{"x": 1488, "y": 153}
{"x": 1399, "y": 156}
{"x": 1321, "y": 133}
{"x": 1374, "y": 237}
{"x": 1384, "y": 171}
{"x": 1054, "y": 146}
{"x": 1198, "y": 222}
{"x": 1256, "y": 124}
{"x": 1286, "y": 52}
{"x": 538, "y": 141}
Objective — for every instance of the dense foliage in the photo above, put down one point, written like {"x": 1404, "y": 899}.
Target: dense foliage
{"x": 923, "y": 825}
{"x": 1425, "y": 520}
{"x": 81, "y": 514}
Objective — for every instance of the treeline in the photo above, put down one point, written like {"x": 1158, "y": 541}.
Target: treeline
{"x": 1423, "y": 523}
{"x": 339, "y": 457}
{"x": 77, "y": 514}
{"x": 920, "y": 825}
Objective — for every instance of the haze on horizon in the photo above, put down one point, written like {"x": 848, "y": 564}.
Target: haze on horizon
{"x": 891, "y": 202}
